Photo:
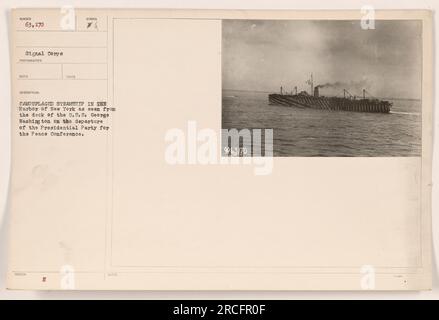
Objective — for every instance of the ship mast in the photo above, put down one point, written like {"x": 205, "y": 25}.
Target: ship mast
{"x": 311, "y": 83}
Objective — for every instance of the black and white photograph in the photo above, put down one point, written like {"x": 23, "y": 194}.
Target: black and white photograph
{"x": 327, "y": 88}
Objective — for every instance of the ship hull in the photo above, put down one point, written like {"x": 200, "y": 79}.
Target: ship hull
{"x": 330, "y": 103}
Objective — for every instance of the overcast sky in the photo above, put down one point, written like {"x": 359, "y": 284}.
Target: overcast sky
{"x": 263, "y": 55}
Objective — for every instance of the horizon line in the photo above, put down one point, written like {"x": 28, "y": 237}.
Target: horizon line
{"x": 260, "y": 91}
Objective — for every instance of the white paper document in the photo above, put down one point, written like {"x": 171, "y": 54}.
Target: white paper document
{"x": 220, "y": 150}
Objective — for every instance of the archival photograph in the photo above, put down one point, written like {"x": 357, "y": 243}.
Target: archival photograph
{"x": 326, "y": 88}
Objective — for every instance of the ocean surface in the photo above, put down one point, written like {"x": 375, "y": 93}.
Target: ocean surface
{"x": 302, "y": 132}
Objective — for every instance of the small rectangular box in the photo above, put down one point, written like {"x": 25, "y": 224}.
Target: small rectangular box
{"x": 32, "y": 71}
{"x": 85, "y": 71}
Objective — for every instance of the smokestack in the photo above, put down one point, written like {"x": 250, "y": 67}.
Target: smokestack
{"x": 316, "y": 91}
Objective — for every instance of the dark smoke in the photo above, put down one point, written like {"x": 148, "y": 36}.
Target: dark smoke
{"x": 353, "y": 85}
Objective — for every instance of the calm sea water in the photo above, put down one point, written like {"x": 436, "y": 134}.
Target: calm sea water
{"x": 308, "y": 132}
